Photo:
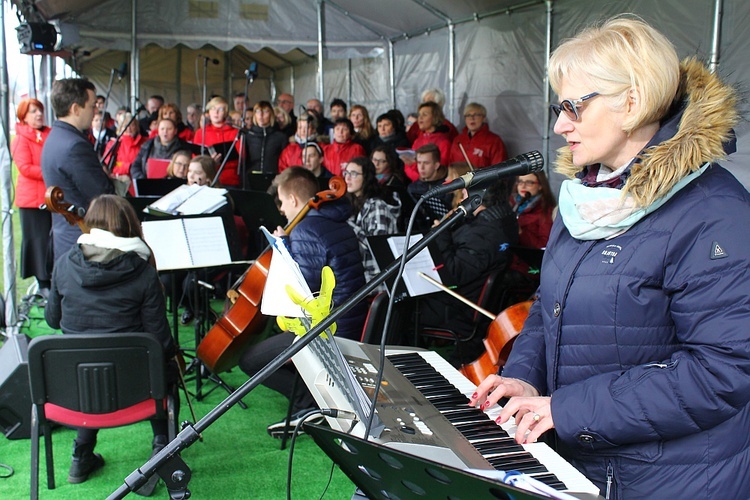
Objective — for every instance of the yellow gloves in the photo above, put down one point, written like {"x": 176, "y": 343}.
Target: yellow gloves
{"x": 316, "y": 308}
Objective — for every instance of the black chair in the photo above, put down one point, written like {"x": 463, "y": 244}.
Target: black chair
{"x": 490, "y": 299}
{"x": 94, "y": 381}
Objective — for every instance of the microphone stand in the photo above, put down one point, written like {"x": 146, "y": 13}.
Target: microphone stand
{"x": 242, "y": 165}
{"x": 168, "y": 463}
{"x": 226, "y": 155}
{"x": 110, "y": 155}
{"x": 203, "y": 109}
{"x": 104, "y": 111}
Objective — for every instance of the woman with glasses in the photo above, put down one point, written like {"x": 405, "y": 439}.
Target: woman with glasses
{"x": 389, "y": 171}
{"x": 637, "y": 352}
{"x": 374, "y": 211}
{"x": 483, "y": 148}
{"x": 534, "y": 205}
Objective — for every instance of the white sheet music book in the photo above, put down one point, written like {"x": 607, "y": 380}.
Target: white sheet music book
{"x": 189, "y": 200}
{"x": 187, "y": 243}
{"x": 283, "y": 271}
{"x": 421, "y": 262}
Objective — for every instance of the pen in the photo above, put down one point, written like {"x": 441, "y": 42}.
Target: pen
{"x": 439, "y": 266}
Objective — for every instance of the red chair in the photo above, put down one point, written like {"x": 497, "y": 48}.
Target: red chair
{"x": 94, "y": 381}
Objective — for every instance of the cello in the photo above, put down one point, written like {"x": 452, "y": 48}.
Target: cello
{"x": 501, "y": 334}
{"x": 224, "y": 343}
{"x": 54, "y": 201}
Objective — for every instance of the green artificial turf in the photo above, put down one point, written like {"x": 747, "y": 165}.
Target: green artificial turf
{"x": 237, "y": 458}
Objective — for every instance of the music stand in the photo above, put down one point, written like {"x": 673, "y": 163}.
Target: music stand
{"x": 382, "y": 472}
{"x": 156, "y": 187}
{"x": 257, "y": 209}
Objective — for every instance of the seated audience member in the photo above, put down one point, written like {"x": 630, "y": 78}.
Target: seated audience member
{"x": 338, "y": 109}
{"x": 482, "y": 147}
{"x": 128, "y": 147}
{"x": 534, "y": 205}
{"x": 313, "y": 161}
{"x": 193, "y": 117}
{"x": 438, "y": 97}
{"x": 374, "y": 210}
{"x": 201, "y": 170}
{"x": 456, "y": 170}
{"x": 265, "y": 141}
{"x": 389, "y": 172}
{"x": 107, "y": 283}
{"x": 389, "y": 133}
{"x": 431, "y": 174}
{"x": 239, "y": 101}
{"x": 342, "y": 148}
{"x": 292, "y": 154}
{"x": 152, "y": 109}
{"x": 99, "y": 135}
{"x": 322, "y": 238}
{"x": 218, "y": 132}
{"x": 172, "y": 112}
{"x": 161, "y": 147}
{"x": 411, "y": 119}
{"x": 178, "y": 165}
{"x": 363, "y": 129}
{"x": 283, "y": 120}
{"x": 433, "y": 130}
{"x": 286, "y": 102}
{"x": 468, "y": 253}
{"x": 325, "y": 126}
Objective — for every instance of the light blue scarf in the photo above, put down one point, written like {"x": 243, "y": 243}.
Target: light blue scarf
{"x": 595, "y": 213}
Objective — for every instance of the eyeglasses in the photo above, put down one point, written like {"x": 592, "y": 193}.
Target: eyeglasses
{"x": 351, "y": 173}
{"x": 378, "y": 161}
{"x": 474, "y": 115}
{"x": 527, "y": 183}
{"x": 570, "y": 106}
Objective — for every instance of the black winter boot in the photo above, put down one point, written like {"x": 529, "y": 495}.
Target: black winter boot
{"x": 85, "y": 461}
{"x": 159, "y": 442}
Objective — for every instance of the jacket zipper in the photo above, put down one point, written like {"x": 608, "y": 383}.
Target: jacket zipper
{"x": 610, "y": 475}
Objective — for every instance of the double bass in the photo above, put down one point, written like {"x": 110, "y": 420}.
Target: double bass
{"x": 225, "y": 342}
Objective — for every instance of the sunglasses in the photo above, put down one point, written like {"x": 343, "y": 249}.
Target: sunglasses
{"x": 570, "y": 106}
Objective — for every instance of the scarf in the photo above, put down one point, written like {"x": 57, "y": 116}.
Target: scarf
{"x": 104, "y": 239}
{"x": 523, "y": 203}
{"x": 602, "y": 213}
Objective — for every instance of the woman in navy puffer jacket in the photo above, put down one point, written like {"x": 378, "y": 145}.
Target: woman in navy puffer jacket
{"x": 637, "y": 352}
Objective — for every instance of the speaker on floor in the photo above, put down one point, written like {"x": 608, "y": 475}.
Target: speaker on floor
{"x": 15, "y": 395}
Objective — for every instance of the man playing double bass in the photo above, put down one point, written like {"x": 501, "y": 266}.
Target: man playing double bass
{"x": 322, "y": 238}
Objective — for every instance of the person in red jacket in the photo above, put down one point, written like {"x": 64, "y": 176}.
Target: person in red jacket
{"x": 218, "y": 131}
{"x": 482, "y": 147}
{"x": 172, "y": 111}
{"x": 128, "y": 147}
{"x": 438, "y": 97}
{"x": 343, "y": 148}
{"x": 292, "y": 155}
{"x": 36, "y": 223}
{"x": 534, "y": 205}
{"x": 434, "y": 131}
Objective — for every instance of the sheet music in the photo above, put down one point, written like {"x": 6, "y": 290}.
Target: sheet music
{"x": 187, "y": 243}
{"x": 421, "y": 262}
{"x": 190, "y": 200}
{"x": 283, "y": 271}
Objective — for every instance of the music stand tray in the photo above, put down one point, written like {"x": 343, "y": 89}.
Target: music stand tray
{"x": 382, "y": 472}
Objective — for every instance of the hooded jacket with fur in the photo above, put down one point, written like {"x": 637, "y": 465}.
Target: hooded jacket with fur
{"x": 643, "y": 340}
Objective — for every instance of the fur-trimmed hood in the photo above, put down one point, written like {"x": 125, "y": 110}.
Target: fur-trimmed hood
{"x": 695, "y": 133}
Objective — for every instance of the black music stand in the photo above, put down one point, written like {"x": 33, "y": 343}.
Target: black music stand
{"x": 156, "y": 187}
{"x": 256, "y": 208}
{"x": 382, "y": 472}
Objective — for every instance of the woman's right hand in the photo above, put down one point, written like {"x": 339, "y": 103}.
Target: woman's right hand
{"x": 495, "y": 387}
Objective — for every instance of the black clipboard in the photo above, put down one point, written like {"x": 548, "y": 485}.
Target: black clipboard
{"x": 156, "y": 187}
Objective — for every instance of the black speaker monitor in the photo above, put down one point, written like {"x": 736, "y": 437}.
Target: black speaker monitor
{"x": 15, "y": 395}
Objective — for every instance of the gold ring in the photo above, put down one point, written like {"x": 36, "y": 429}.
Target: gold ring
{"x": 536, "y": 417}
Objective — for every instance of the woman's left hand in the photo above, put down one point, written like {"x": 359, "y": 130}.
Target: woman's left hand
{"x": 533, "y": 417}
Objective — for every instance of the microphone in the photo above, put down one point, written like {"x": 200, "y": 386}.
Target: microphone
{"x": 122, "y": 71}
{"x": 251, "y": 73}
{"x": 206, "y": 58}
{"x": 526, "y": 163}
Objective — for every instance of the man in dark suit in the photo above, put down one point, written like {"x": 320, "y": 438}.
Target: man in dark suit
{"x": 68, "y": 158}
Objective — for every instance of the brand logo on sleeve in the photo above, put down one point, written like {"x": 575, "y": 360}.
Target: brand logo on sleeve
{"x": 717, "y": 251}
{"x": 609, "y": 253}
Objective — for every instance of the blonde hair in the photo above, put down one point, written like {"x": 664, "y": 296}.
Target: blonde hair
{"x": 623, "y": 58}
{"x": 123, "y": 121}
{"x": 216, "y": 102}
{"x": 476, "y": 108}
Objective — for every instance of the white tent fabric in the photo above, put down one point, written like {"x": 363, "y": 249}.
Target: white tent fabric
{"x": 490, "y": 51}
